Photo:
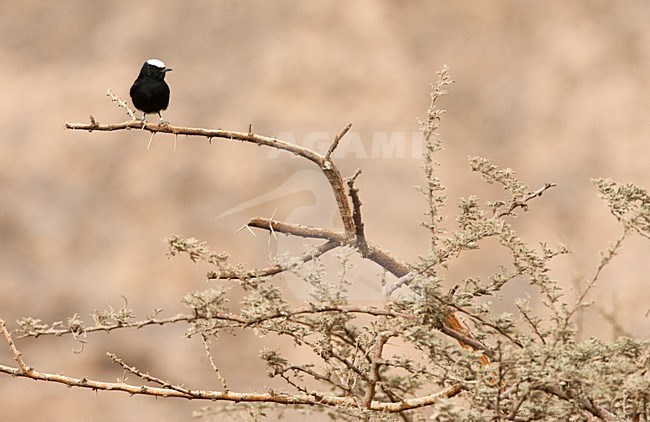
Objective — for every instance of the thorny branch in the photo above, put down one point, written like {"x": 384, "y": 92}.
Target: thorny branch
{"x": 323, "y": 162}
{"x": 195, "y": 394}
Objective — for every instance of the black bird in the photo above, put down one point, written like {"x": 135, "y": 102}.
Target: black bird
{"x": 150, "y": 92}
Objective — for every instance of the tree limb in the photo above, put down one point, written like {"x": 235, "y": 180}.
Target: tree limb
{"x": 269, "y": 397}
{"x": 324, "y": 163}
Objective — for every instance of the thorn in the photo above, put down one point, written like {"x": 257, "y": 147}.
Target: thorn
{"x": 271, "y": 231}
{"x": 245, "y": 226}
{"x": 271, "y": 227}
{"x": 150, "y": 139}
{"x": 250, "y": 129}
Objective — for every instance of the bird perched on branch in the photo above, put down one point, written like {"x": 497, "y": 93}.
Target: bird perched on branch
{"x": 150, "y": 92}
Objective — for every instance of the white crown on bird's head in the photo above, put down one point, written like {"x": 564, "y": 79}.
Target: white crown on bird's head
{"x": 157, "y": 63}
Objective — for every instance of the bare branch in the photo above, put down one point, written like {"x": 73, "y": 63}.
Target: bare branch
{"x": 206, "y": 345}
{"x": 337, "y": 138}
{"x": 402, "y": 281}
{"x": 360, "y": 236}
{"x": 331, "y": 172}
{"x": 298, "y": 230}
{"x": 147, "y": 377}
{"x": 270, "y": 397}
{"x": 121, "y": 103}
{"x": 17, "y": 355}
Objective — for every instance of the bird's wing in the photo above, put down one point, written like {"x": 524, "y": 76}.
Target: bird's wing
{"x": 143, "y": 94}
{"x": 133, "y": 87}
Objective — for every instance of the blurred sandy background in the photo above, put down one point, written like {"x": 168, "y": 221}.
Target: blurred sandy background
{"x": 559, "y": 91}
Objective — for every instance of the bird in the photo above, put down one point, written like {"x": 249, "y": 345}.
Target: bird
{"x": 150, "y": 92}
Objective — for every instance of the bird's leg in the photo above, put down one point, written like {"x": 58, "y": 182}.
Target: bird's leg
{"x": 142, "y": 120}
{"x": 163, "y": 122}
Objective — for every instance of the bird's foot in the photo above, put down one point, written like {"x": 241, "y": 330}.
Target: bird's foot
{"x": 163, "y": 122}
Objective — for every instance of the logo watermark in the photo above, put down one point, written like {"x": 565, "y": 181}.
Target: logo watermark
{"x": 379, "y": 141}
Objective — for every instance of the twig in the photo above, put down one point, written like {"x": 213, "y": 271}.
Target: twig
{"x": 121, "y": 103}
{"x": 468, "y": 342}
{"x": 433, "y": 190}
{"x": 390, "y": 288}
{"x": 374, "y": 369}
{"x": 604, "y": 260}
{"x": 17, "y": 355}
{"x": 111, "y": 327}
{"x": 321, "y": 377}
{"x": 147, "y": 377}
{"x": 274, "y": 269}
{"x": 206, "y": 345}
{"x": 236, "y": 320}
{"x": 360, "y": 236}
{"x": 523, "y": 203}
{"x": 337, "y": 138}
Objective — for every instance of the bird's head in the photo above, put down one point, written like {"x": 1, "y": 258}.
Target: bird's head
{"x": 154, "y": 68}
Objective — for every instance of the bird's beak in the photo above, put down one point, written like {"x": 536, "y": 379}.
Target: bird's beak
{"x": 167, "y": 69}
